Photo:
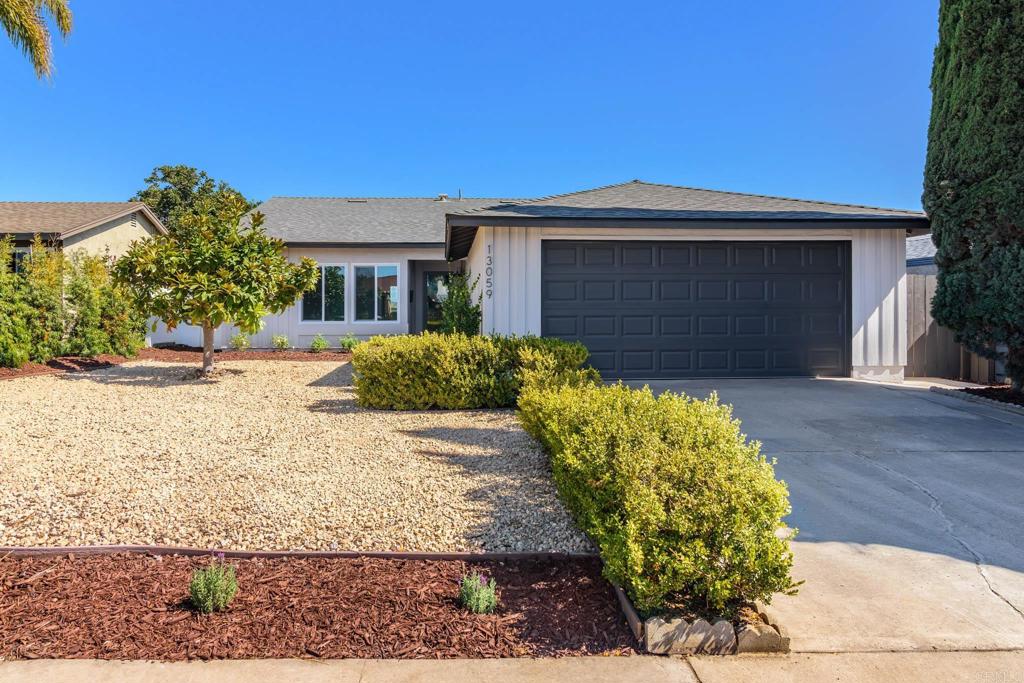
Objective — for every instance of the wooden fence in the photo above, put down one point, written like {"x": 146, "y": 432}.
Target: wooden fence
{"x": 931, "y": 349}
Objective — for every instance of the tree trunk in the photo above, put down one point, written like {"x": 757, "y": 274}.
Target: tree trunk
{"x": 208, "y": 330}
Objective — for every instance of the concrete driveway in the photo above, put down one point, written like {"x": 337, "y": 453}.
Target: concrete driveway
{"x": 910, "y": 507}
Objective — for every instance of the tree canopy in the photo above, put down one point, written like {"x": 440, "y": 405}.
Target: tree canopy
{"x": 175, "y": 191}
{"x": 974, "y": 176}
{"x": 25, "y": 23}
{"x": 213, "y": 270}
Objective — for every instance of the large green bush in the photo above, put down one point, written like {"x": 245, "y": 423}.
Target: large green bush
{"x": 453, "y": 371}
{"x": 15, "y": 338}
{"x": 63, "y": 305}
{"x": 677, "y": 501}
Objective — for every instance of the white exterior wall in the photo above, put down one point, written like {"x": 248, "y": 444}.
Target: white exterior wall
{"x": 300, "y": 333}
{"x": 512, "y": 297}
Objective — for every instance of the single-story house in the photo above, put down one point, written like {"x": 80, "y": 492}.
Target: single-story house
{"x": 96, "y": 227}
{"x": 657, "y": 280}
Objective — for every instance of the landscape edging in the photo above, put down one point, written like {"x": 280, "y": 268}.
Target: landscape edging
{"x": 681, "y": 637}
{"x": 981, "y": 400}
{"x": 42, "y": 551}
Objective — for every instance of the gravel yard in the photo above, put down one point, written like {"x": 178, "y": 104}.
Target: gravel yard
{"x": 271, "y": 455}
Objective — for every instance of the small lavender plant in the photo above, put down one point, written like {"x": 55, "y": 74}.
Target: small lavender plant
{"x": 213, "y": 588}
{"x": 478, "y": 595}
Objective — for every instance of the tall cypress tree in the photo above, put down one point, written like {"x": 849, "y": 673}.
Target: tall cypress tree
{"x": 974, "y": 176}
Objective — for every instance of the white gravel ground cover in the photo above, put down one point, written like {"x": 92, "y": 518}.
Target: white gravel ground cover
{"x": 271, "y": 455}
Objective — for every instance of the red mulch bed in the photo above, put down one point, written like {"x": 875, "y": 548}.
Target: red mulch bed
{"x": 131, "y": 606}
{"x": 1002, "y": 394}
{"x": 182, "y": 354}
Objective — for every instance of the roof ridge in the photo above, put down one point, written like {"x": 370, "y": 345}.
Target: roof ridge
{"x": 433, "y": 198}
{"x": 114, "y": 201}
{"x": 555, "y": 196}
{"x": 637, "y": 181}
{"x": 772, "y": 196}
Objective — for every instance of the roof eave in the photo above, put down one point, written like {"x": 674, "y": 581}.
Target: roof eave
{"x": 363, "y": 245}
{"x": 914, "y": 225}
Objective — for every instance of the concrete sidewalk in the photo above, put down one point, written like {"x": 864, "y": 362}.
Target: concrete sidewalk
{"x": 906, "y": 667}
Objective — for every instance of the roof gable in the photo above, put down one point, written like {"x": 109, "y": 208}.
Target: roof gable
{"x": 63, "y": 219}
{"x": 637, "y": 199}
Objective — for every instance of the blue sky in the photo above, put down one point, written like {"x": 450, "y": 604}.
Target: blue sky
{"x": 822, "y": 100}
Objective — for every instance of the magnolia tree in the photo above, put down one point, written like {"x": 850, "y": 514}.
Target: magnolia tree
{"x": 214, "y": 270}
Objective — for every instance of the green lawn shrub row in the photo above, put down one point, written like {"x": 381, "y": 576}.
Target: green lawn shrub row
{"x": 454, "y": 371}
{"x": 678, "y": 502}
{"x": 59, "y": 305}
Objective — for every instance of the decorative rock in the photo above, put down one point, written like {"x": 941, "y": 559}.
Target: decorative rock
{"x": 760, "y": 637}
{"x": 679, "y": 637}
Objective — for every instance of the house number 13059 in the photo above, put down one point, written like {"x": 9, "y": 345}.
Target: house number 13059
{"x": 489, "y": 272}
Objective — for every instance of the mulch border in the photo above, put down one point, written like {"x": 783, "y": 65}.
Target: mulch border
{"x": 962, "y": 395}
{"x": 75, "y": 364}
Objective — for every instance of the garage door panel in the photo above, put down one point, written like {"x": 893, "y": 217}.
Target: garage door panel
{"x": 698, "y": 309}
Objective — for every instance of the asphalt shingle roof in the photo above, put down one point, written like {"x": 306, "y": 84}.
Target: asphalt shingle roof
{"x": 57, "y": 217}
{"x": 641, "y": 200}
{"x": 356, "y": 220}
{"x": 920, "y": 250}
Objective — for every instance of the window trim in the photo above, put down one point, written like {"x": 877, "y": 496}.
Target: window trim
{"x": 323, "y": 298}
{"x": 398, "y": 285}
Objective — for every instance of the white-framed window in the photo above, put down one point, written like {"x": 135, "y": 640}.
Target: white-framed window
{"x": 377, "y": 293}
{"x": 17, "y": 257}
{"x": 326, "y": 303}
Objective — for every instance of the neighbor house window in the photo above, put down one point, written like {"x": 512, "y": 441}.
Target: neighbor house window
{"x": 377, "y": 292}
{"x": 326, "y": 303}
{"x": 17, "y": 257}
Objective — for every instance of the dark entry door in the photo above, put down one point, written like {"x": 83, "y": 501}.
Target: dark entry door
{"x": 701, "y": 309}
{"x": 435, "y": 291}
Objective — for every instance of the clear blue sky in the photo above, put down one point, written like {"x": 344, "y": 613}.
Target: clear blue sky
{"x": 825, "y": 100}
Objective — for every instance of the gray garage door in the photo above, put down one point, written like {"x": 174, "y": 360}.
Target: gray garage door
{"x": 701, "y": 309}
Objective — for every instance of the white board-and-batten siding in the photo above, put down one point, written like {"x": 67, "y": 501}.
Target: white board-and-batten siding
{"x": 300, "y": 333}
{"x": 508, "y": 261}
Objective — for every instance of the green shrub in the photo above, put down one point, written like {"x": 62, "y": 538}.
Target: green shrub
{"x": 122, "y": 322}
{"x": 213, "y": 588}
{"x": 67, "y": 304}
{"x": 240, "y": 342}
{"x": 675, "y": 498}
{"x": 478, "y": 595}
{"x": 460, "y": 310}
{"x": 280, "y": 342}
{"x": 319, "y": 344}
{"x": 15, "y": 338}
{"x": 44, "y": 294}
{"x": 349, "y": 342}
{"x": 453, "y": 371}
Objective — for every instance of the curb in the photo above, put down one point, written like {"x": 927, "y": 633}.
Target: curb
{"x": 961, "y": 395}
{"x": 29, "y": 551}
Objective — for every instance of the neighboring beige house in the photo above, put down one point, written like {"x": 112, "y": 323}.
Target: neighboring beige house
{"x": 96, "y": 227}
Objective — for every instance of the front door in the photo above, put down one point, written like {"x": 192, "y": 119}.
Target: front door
{"x": 435, "y": 290}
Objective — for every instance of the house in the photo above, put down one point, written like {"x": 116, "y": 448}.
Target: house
{"x": 656, "y": 280}
{"x": 96, "y": 227}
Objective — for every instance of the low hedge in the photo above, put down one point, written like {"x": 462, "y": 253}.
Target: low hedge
{"x": 677, "y": 501}
{"x": 454, "y": 371}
